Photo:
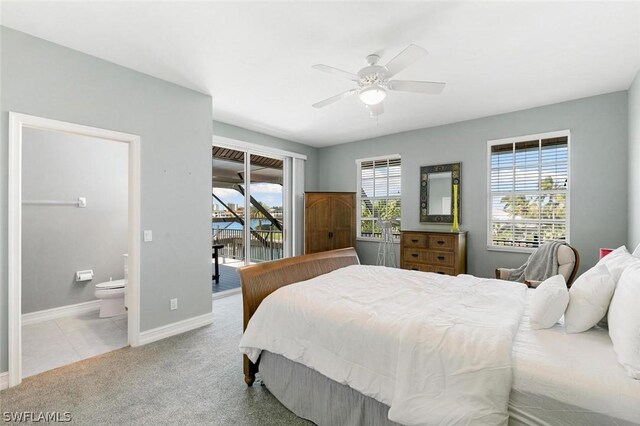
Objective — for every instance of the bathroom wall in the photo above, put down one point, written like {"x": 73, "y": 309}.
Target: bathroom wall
{"x": 58, "y": 240}
{"x": 174, "y": 124}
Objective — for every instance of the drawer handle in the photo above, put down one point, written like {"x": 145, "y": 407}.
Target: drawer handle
{"x": 442, "y": 273}
{"x": 414, "y": 241}
{"x": 414, "y": 254}
{"x": 440, "y": 242}
{"x": 414, "y": 269}
{"x": 440, "y": 257}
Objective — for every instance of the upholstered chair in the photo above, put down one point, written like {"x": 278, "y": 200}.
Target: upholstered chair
{"x": 568, "y": 263}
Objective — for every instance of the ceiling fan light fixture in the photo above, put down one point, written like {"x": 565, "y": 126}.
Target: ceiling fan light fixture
{"x": 373, "y": 81}
{"x": 372, "y": 95}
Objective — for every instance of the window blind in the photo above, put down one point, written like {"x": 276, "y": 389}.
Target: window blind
{"x": 380, "y": 195}
{"x": 529, "y": 192}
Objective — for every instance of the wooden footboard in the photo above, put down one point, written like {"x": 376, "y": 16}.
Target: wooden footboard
{"x": 260, "y": 280}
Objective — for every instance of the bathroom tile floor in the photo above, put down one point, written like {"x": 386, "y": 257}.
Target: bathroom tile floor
{"x": 50, "y": 344}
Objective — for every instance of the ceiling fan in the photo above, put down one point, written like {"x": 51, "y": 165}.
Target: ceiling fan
{"x": 374, "y": 80}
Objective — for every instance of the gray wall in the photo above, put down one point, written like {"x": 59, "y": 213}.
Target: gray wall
{"x": 44, "y": 79}
{"x": 634, "y": 163}
{"x": 598, "y": 172}
{"x": 59, "y": 240}
{"x": 242, "y": 134}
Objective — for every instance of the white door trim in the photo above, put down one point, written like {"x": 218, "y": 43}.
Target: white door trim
{"x": 17, "y": 122}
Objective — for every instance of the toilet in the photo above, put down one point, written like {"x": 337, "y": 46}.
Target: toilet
{"x": 112, "y": 294}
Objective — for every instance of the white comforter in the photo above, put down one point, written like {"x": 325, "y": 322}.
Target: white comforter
{"x": 436, "y": 349}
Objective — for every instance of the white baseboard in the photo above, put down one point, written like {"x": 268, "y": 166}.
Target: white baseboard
{"x": 179, "y": 327}
{"x": 4, "y": 380}
{"x": 63, "y": 311}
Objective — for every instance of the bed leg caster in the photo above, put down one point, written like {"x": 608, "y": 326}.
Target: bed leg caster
{"x": 249, "y": 379}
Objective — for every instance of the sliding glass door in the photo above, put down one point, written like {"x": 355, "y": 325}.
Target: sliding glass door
{"x": 251, "y": 210}
{"x": 266, "y": 208}
{"x": 228, "y": 205}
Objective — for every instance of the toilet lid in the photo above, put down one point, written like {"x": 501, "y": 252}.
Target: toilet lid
{"x": 110, "y": 285}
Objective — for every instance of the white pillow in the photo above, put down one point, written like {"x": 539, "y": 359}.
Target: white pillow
{"x": 548, "y": 302}
{"x": 589, "y": 299}
{"x": 636, "y": 252}
{"x": 624, "y": 321}
{"x": 617, "y": 261}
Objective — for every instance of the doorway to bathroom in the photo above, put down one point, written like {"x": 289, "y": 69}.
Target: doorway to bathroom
{"x": 73, "y": 243}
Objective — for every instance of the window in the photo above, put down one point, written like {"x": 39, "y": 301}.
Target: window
{"x": 528, "y": 191}
{"x": 379, "y": 196}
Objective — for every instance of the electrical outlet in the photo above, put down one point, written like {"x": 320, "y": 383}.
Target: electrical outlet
{"x": 174, "y": 304}
{"x": 147, "y": 236}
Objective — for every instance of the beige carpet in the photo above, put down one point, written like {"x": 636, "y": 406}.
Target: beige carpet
{"x": 191, "y": 379}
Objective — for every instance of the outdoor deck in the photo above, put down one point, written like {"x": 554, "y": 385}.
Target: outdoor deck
{"x": 229, "y": 278}
{"x": 265, "y": 245}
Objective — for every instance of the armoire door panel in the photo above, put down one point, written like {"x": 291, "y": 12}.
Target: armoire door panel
{"x": 342, "y": 212}
{"x": 319, "y": 215}
{"x": 317, "y": 242}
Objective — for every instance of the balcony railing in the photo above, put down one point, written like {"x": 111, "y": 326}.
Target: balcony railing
{"x": 369, "y": 234}
{"x": 265, "y": 245}
{"x": 535, "y": 243}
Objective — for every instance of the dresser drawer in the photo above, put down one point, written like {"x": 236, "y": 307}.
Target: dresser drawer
{"x": 441, "y": 258}
{"x": 441, "y": 242}
{"x": 414, "y": 240}
{"x": 415, "y": 255}
{"x": 443, "y": 270}
{"x": 417, "y": 267}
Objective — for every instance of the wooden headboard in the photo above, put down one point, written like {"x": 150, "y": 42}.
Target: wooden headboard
{"x": 260, "y": 280}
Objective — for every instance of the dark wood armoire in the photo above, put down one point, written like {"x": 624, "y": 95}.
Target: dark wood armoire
{"x": 329, "y": 221}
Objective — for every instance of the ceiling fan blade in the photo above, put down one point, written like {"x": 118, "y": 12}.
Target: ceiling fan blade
{"x": 335, "y": 98}
{"x": 404, "y": 59}
{"x": 336, "y": 71}
{"x": 376, "y": 110}
{"x": 417, "y": 86}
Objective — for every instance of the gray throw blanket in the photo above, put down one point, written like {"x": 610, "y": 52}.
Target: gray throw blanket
{"x": 542, "y": 264}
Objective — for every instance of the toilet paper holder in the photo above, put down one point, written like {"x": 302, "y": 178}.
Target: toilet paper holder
{"x": 84, "y": 275}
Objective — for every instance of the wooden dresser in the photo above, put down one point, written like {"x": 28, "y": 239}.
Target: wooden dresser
{"x": 440, "y": 252}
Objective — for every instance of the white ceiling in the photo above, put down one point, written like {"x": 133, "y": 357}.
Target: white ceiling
{"x": 255, "y": 59}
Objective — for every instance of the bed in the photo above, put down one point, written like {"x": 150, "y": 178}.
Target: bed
{"x": 554, "y": 378}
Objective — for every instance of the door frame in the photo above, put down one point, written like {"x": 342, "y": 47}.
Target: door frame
{"x": 17, "y": 122}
